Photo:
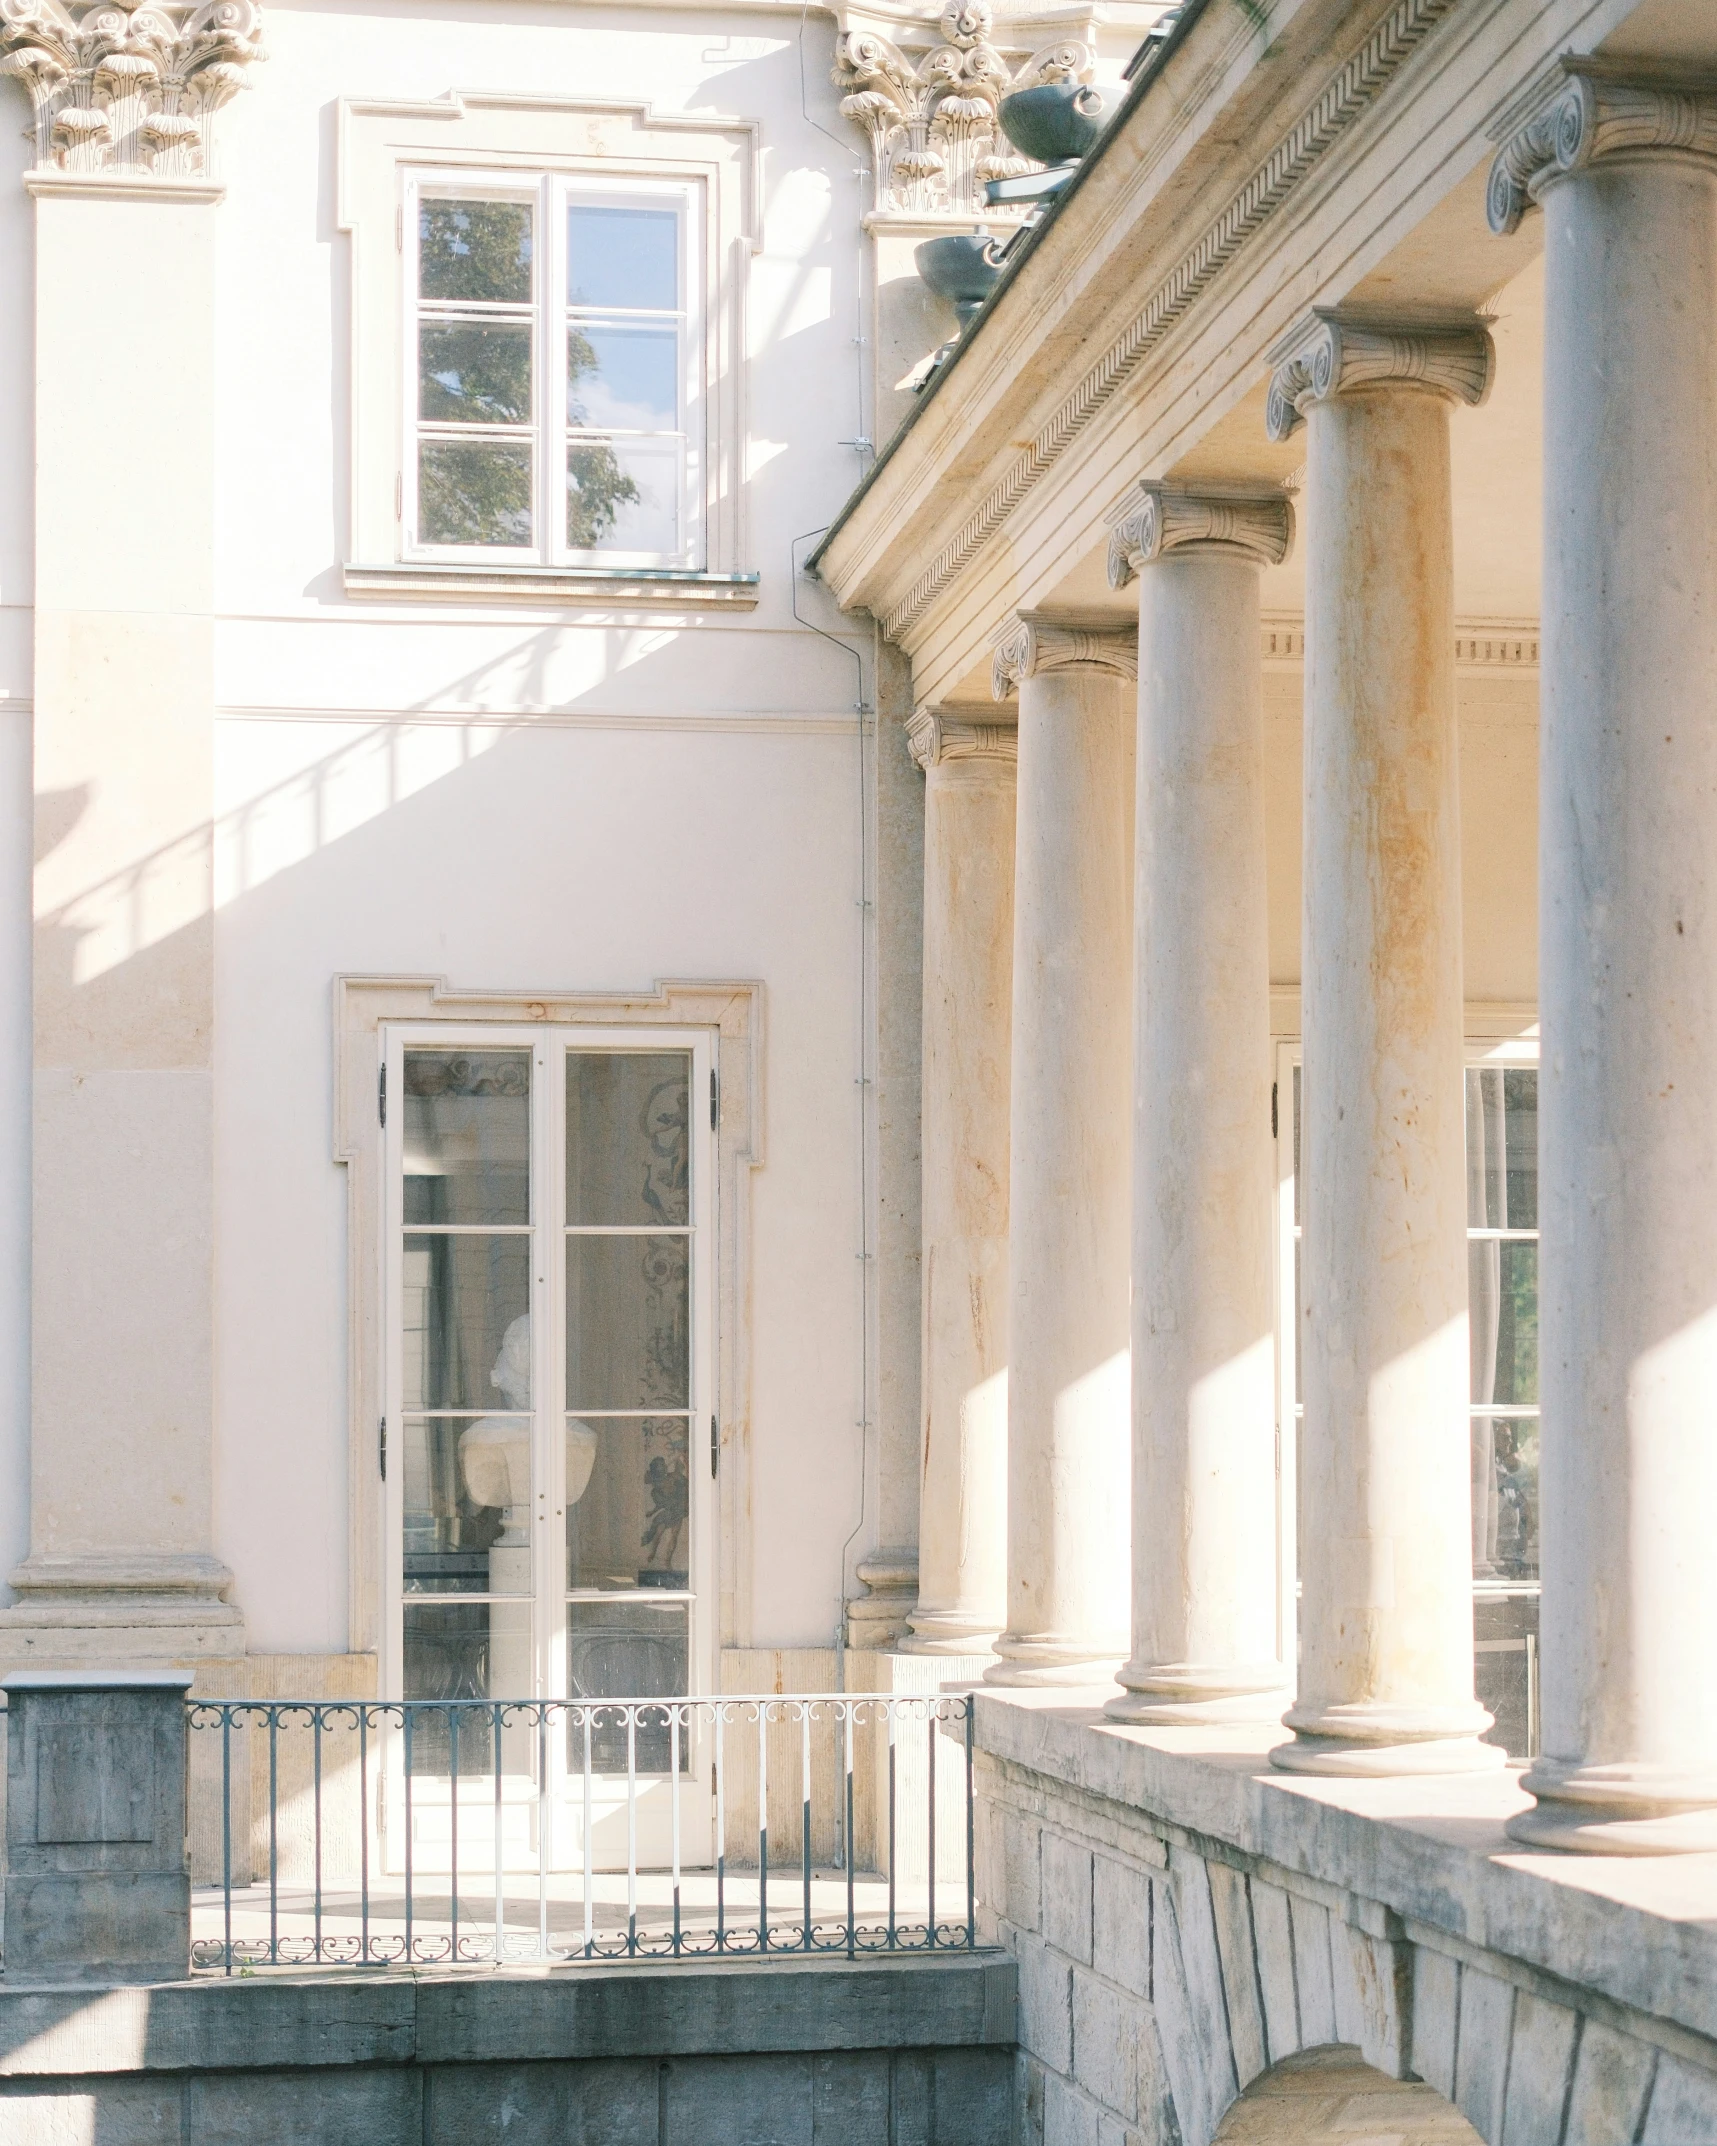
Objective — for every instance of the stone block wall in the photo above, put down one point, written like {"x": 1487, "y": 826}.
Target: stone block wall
{"x": 1178, "y": 1943}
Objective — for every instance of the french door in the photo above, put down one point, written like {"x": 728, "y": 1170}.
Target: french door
{"x": 550, "y": 1395}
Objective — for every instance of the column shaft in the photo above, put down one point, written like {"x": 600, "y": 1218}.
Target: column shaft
{"x": 1628, "y": 1090}
{"x": 968, "y": 996}
{"x": 1205, "y": 1599}
{"x": 1386, "y": 1624}
{"x": 1068, "y": 1383}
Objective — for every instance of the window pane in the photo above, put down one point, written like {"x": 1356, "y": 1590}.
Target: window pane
{"x": 628, "y": 1502}
{"x": 1505, "y": 1663}
{"x": 622, "y": 379}
{"x": 474, "y": 374}
{"x": 1505, "y": 1497}
{"x": 467, "y": 1489}
{"x": 468, "y": 1650}
{"x": 625, "y": 1650}
{"x": 475, "y": 250}
{"x": 628, "y": 1137}
{"x": 628, "y": 1322}
{"x": 467, "y": 1338}
{"x": 1502, "y": 1304}
{"x": 623, "y": 257}
{"x": 1502, "y": 1147}
{"x": 471, "y": 492}
{"x": 623, "y": 495}
{"x": 1520, "y": 1106}
{"x": 468, "y": 1136}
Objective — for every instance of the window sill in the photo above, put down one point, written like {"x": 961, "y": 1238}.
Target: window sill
{"x": 672, "y": 588}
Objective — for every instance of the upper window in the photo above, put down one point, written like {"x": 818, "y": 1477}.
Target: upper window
{"x": 555, "y": 373}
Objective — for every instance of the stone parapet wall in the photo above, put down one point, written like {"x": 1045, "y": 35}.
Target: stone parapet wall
{"x": 883, "y": 2053}
{"x": 1184, "y": 1920}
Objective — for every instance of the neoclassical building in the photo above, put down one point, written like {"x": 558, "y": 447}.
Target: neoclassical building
{"x": 734, "y": 981}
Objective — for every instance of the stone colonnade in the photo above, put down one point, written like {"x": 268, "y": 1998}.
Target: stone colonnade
{"x": 1625, "y": 171}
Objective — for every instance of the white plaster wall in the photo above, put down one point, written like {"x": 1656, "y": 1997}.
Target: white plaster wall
{"x": 620, "y": 828}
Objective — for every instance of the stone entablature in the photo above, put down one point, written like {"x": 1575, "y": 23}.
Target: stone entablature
{"x": 1184, "y": 1920}
{"x": 125, "y": 90}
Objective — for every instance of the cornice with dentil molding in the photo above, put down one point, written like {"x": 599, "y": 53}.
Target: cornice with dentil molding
{"x": 1581, "y": 113}
{"x": 120, "y": 90}
{"x": 935, "y": 139}
{"x": 1029, "y": 647}
{"x": 1258, "y": 526}
{"x": 934, "y": 737}
{"x": 1328, "y": 354}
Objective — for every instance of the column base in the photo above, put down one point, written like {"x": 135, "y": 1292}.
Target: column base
{"x": 1383, "y": 1740}
{"x": 876, "y": 1620}
{"x": 1188, "y": 1699}
{"x": 1034, "y": 1664}
{"x": 1616, "y": 1810}
{"x": 946, "y": 1632}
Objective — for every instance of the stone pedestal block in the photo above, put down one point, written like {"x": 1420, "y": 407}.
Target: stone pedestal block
{"x": 98, "y": 1885}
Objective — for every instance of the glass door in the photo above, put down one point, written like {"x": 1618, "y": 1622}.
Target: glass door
{"x": 550, "y": 1350}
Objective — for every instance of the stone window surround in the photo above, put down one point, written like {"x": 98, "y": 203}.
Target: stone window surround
{"x": 734, "y": 1013}
{"x": 380, "y": 142}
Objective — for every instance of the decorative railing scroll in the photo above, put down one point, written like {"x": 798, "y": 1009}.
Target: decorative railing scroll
{"x": 123, "y": 88}
{"x": 935, "y": 137}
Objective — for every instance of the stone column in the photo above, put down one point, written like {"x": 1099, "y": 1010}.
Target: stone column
{"x": 1205, "y": 1598}
{"x": 1069, "y": 1177}
{"x": 1386, "y": 1619}
{"x": 1626, "y": 172}
{"x": 968, "y": 998}
{"x": 121, "y": 1561}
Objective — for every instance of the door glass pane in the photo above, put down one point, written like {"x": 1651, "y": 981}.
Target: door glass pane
{"x": 623, "y": 495}
{"x": 468, "y": 1137}
{"x": 628, "y": 1502}
{"x": 477, "y": 251}
{"x": 625, "y": 1650}
{"x": 629, "y": 258}
{"x": 628, "y": 1138}
{"x": 1502, "y": 1300}
{"x": 471, "y": 373}
{"x": 467, "y": 1491}
{"x": 623, "y": 376}
{"x": 628, "y": 1322}
{"x": 474, "y": 492}
{"x": 465, "y": 1650}
{"x": 467, "y": 1338}
{"x": 1505, "y": 1497}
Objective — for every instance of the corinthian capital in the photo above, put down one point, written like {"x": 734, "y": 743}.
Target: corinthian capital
{"x": 1256, "y": 525}
{"x": 1029, "y": 646}
{"x": 1582, "y": 111}
{"x": 935, "y": 736}
{"x": 1328, "y": 355}
{"x": 122, "y": 89}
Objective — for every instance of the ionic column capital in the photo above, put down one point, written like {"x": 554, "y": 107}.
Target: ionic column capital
{"x": 934, "y": 736}
{"x": 1582, "y": 112}
{"x": 1028, "y": 647}
{"x": 1328, "y": 355}
{"x": 1169, "y": 518}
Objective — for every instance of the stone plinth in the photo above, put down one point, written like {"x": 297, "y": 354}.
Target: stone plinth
{"x": 98, "y": 1882}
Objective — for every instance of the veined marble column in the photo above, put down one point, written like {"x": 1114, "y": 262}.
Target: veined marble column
{"x": 1626, "y": 172}
{"x": 968, "y": 999}
{"x": 1205, "y": 1598}
{"x": 1070, "y": 1183}
{"x": 1386, "y": 1607}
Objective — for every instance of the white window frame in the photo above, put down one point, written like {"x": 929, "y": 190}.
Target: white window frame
{"x": 520, "y": 141}
{"x": 549, "y": 195}
{"x": 1495, "y": 1036}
